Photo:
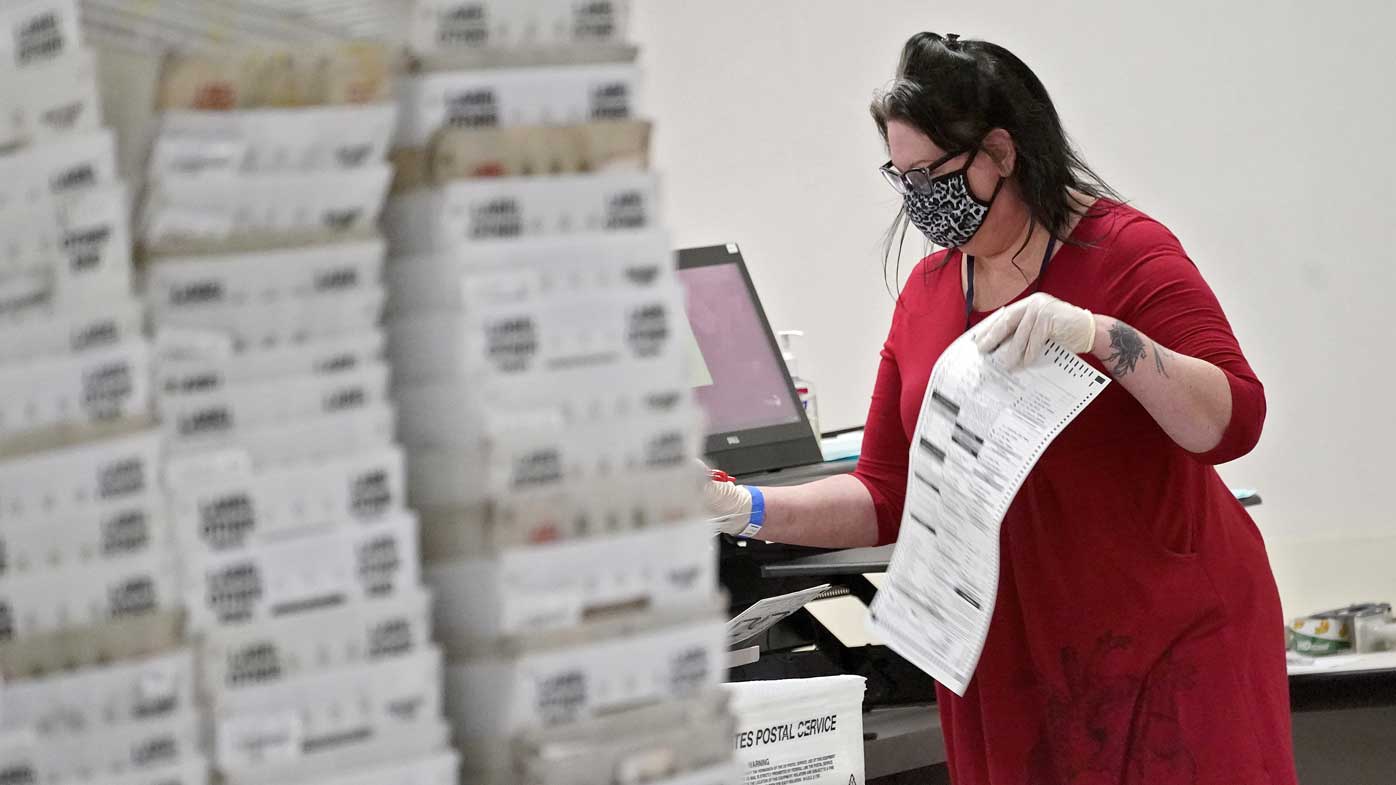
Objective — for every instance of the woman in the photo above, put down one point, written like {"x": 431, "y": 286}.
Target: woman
{"x": 1137, "y": 635}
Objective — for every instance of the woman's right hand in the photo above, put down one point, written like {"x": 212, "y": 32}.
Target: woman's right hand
{"x": 731, "y": 506}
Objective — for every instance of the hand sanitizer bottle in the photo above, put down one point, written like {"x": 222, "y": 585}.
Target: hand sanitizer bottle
{"x": 803, "y": 388}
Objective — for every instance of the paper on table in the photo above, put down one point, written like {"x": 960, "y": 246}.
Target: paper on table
{"x": 979, "y": 433}
{"x": 1342, "y": 663}
{"x": 767, "y": 613}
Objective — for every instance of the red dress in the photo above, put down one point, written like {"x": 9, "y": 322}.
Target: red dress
{"x": 1137, "y": 636}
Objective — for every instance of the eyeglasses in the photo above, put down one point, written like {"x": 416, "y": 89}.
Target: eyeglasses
{"x": 918, "y": 179}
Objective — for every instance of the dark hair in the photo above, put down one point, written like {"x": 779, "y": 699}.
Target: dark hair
{"x": 957, "y": 91}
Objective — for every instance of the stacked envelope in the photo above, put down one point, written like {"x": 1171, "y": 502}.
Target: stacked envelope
{"x": 285, "y": 485}
{"x": 95, "y": 686}
{"x": 515, "y": 30}
{"x": 535, "y": 327}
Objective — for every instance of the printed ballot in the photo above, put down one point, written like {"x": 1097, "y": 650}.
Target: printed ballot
{"x": 768, "y": 613}
{"x": 980, "y": 431}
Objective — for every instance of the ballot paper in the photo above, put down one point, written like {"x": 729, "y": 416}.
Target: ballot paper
{"x": 980, "y": 431}
{"x": 767, "y": 613}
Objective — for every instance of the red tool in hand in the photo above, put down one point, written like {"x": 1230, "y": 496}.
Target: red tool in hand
{"x": 718, "y": 475}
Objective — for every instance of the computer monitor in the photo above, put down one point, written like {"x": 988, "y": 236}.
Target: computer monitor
{"x": 755, "y": 420}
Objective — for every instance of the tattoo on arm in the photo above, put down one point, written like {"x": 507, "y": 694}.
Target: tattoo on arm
{"x": 1159, "y": 352}
{"x": 1126, "y": 349}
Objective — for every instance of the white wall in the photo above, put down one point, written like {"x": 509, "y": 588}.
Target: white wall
{"x": 1261, "y": 133}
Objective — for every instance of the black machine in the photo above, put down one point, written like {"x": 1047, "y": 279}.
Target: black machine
{"x": 758, "y": 431}
{"x": 755, "y": 419}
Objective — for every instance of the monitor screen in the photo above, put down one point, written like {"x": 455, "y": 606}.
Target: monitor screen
{"x": 739, "y": 378}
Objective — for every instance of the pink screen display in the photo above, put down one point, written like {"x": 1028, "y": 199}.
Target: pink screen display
{"x": 748, "y": 388}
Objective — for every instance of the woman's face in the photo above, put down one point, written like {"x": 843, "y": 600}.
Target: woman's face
{"x": 912, "y": 149}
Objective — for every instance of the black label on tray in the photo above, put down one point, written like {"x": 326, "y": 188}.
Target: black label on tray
{"x": 512, "y": 342}
{"x": 463, "y": 24}
{"x": 106, "y": 387}
{"x": 121, "y": 478}
{"x": 370, "y": 495}
{"x": 38, "y": 38}
{"x": 80, "y": 176}
{"x": 253, "y": 664}
{"x": 342, "y": 220}
{"x": 626, "y": 210}
{"x": 195, "y": 382}
{"x": 333, "y": 280}
{"x": 126, "y": 532}
{"x": 648, "y": 330}
{"x": 350, "y": 156}
{"x": 157, "y": 750}
{"x": 101, "y": 333}
{"x": 379, "y": 564}
{"x": 474, "y": 108}
{"x": 197, "y": 292}
{"x": 338, "y": 363}
{"x": 234, "y": 591}
{"x": 390, "y": 638}
{"x": 689, "y": 669}
{"x": 211, "y": 420}
{"x": 666, "y": 450}
{"x": 84, "y": 247}
{"x": 610, "y": 102}
{"x": 156, "y": 705}
{"x": 132, "y": 597}
{"x": 346, "y": 398}
{"x": 63, "y": 117}
{"x": 594, "y": 21}
{"x": 501, "y": 217}
{"x": 227, "y": 520}
{"x": 562, "y": 696}
{"x": 538, "y": 468}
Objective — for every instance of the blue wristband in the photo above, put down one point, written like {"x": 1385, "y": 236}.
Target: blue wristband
{"x": 758, "y": 512}
{"x": 758, "y": 505}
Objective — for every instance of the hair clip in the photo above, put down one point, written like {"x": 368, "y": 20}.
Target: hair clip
{"x": 952, "y": 39}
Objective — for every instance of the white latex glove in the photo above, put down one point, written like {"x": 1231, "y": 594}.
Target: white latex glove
{"x": 738, "y": 510}
{"x": 1018, "y": 334}
{"x": 729, "y": 504}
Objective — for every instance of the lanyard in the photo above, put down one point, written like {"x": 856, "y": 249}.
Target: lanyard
{"x": 969, "y": 279}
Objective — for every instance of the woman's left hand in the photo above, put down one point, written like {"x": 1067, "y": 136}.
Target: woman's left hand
{"x": 1018, "y": 334}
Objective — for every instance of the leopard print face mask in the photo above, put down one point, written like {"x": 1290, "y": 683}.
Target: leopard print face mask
{"x": 947, "y": 212}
